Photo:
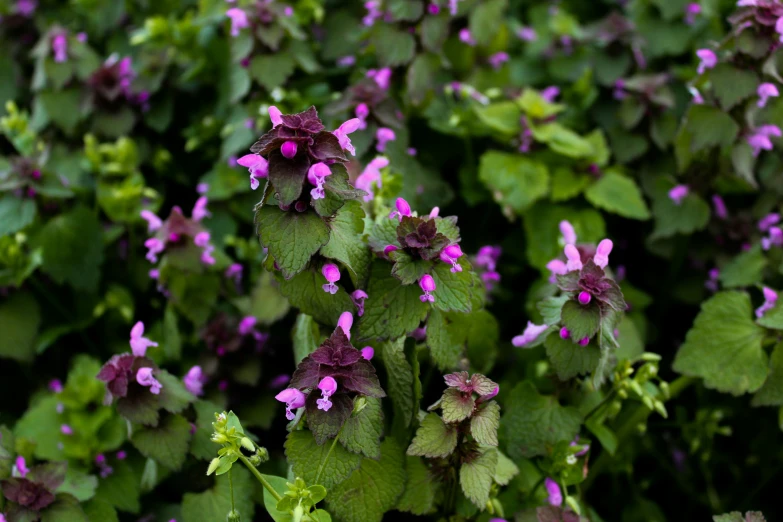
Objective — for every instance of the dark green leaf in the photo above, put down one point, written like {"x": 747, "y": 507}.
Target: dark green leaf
{"x": 291, "y": 237}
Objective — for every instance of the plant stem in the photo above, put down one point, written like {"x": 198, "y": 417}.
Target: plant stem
{"x": 261, "y": 478}
{"x": 231, "y": 488}
{"x": 323, "y": 464}
{"x": 606, "y": 399}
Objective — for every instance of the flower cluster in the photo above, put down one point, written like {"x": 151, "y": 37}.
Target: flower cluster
{"x": 178, "y": 233}
{"x": 32, "y": 490}
{"x": 127, "y": 374}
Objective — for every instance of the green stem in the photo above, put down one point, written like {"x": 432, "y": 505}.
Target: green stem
{"x": 323, "y": 464}
{"x": 231, "y": 488}
{"x": 601, "y": 404}
{"x": 261, "y": 478}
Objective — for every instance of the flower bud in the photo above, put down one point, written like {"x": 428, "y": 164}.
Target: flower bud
{"x": 584, "y": 298}
{"x": 233, "y": 516}
{"x": 262, "y": 454}
{"x": 289, "y": 149}
{"x": 213, "y": 465}
{"x": 247, "y": 444}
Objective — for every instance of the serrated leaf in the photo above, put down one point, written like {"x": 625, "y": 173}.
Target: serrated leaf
{"x": 325, "y": 425}
{"x": 400, "y": 378}
{"x": 618, "y": 194}
{"x": 771, "y": 393}
{"x": 15, "y": 213}
{"x": 505, "y": 470}
{"x": 502, "y": 117}
{"x": 121, "y": 489}
{"x": 372, "y": 489}
{"x": 305, "y": 292}
{"x": 65, "y": 509}
{"x": 709, "y": 127}
{"x": 454, "y": 291}
{"x": 345, "y": 241}
{"x": 291, "y": 237}
{"x": 534, "y": 423}
{"x": 746, "y": 269}
{"x": 446, "y": 337}
{"x": 456, "y": 406}
{"x": 215, "y": 503}
{"x": 724, "y": 346}
{"x": 167, "y": 443}
{"x": 174, "y": 397}
{"x": 484, "y": 424}
{"x": 731, "y": 85}
{"x": 515, "y": 181}
{"x": 475, "y": 477}
{"x": 362, "y": 432}
{"x": 391, "y": 310}
{"x": 551, "y": 308}
{"x": 434, "y": 438}
{"x": 305, "y": 457}
{"x": 569, "y": 359}
{"x": 271, "y": 70}
{"x": 20, "y": 318}
{"x": 392, "y": 46}
{"x": 407, "y": 269}
{"x": 567, "y": 184}
{"x": 420, "y": 488}
{"x": 581, "y": 320}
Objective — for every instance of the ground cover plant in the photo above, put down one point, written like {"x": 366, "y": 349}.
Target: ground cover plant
{"x": 448, "y": 260}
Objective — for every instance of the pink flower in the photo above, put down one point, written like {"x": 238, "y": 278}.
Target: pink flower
{"x": 692, "y": 10}
{"x": 584, "y": 298}
{"x": 56, "y": 386}
{"x": 293, "y": 399}
{"x": 450, "y": 254}
{"x": 388, "y": 249}
{"x": 767, "y": 221}
{"x": 21, "y": 467}
{"x": 569, "y": 234}
{"x": 384, "y": 135}
{"x": 707, "y": 60}
{"x": 65, "y": 429}
{"x": 453, "y": 7}
{"x": 427, "y": 283}
{"x": 358, "y": 297}
{"x": 82, "y": 37}
{"x": 403, "y": 209}
{"x": 316, "y": 175}
{"x": 550, "y": 93}
{"x": 138, "y": 342}
{"x": 765, "y": 92}
{"x": 154, "y": 247}
{"x": 574, "y": 258}
{"x": 531, "y": 333}
{"x": 433, "y": 9}
{"x": 193, "y": 381}
{"x": 760, "y": 139}
{"x": 200, "y": 209}
{"x": 434, "y": 212}
{"x": 555, "y": 497}
{"x": 289, "y": 149}
{"x": 775, "y": 238}
{"x": 26, "y": 8}
{"x": 344, "y": 130}
{"x": 238, "y": 20}
{"x": 779, "y": 27}
{"x": 332, "y": 275}
{"x": 275, "y": 115}
{"x": 60, "y": 48}
{"x": 466, "y": 38}
{"x": 770, "y": 298}
{"x": 373, "y": 12}
{"x": 602, "y": 252}
{"x": 720, "y": 207}
{"x": 345, "y": 322}
{"x": 527, "y": 34}
{"x": 257, "y": 166}
{"x": 153, "y": 221}
{"x": 381, "y": 77}
{"x": 234, "y": 272}
{"x": 678, "y": 193}
{"x": 346, "y": 61}
{"x": 145, "y": 378}
{"x": 370, "y": 176}
{"x": 556, "y": 267}
{"x": 246, "y": 325}
{"x": 362, "y": 112}
{"x": 201, "y": 239}
{"x": 368, "y": 352}
{"x": 327, "y": 386}
{"x": 498, "y": 59}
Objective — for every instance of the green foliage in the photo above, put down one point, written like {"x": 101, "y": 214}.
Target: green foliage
{"x": 306, "y": 457}
{"x": 434, "y": 438}
{"x": 516, "y": 182}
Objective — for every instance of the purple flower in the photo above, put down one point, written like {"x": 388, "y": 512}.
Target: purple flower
{"x": 450, "y": 254}
{"x": 288, "y": 149}
{"x": 293, "y": 399}
{"x": 582, "y": 451}
{"x": 602, "y": 252}
{"x": 678, "y": 193}
{"x": 138, "y": 342}
{"x": 370, "y": 176}
{"x": 767, "y": 221}
{"x": 238, "y": 20}
{"x": 65, "y": 429}
{"x": 555, "y": 497}
{"x": 550, "y": 93}
{"x": 574, "y": 258}
{"x": 531, "y": 333}
{"x": 427, "y": 283}
{"x": 201, "y": 239}
{"x": 257, "y": 166}
{"x": 316, "y": 175}
{"x": 368, "y": 352}
{"x": 775, "y": 238}
{"x": 56, "y": 386}
{"x": 556, "y": 267}
{"x": 200, "y": 209}
{"x": 466, "y": 38}
{"x": 275, "y": 115}
{"x": 246, "y": 325}
{"x": 194, "y": 381}
{"x": 345, "y": 322}
{"x": 382, "y": 77}
{"x": 332, "y": 275}
{"x": 760, "y": 138}
{"x": 720, "y": 207}
{"x": 388, "y": 249}
{"x": 564, "y": 333}
{"x": 707, "y": 60}
{"x": 21, "y": 467}
{"x": 234, "y": 272}
{"x": 82, "y": 37}
{"x": 526, "y": 34}
{"x": 765, "y": 92}
{"x": 288, "y": 11}
{"x": 779, "y": 27}
{"x": 384, "y": 135}
{"x": 770, "y": 298}
{"x": 488, "y": 256}
{"x": 403, "y": 209}
{"x": 433, "y": 9}
{"x": 344, "y": 130}
{"x": 121, "y": 455}
{"x": 453, "y": 7}
{"x": 346, "y": 61}
{"x": 712, "y": 283}
{"x": 327, "y": 386}
{"x": 60, "y": 48}
{"x": 373, "y": 12}
{"x": 569, "y": 235}
{"x": 498, "y": 59}
{"x": 26, "y": 8}
{"x": 145, "y": 378}
{"x": 280, "y": 381}
{"x": 692, "y": 10}
{"x": 584, "y": 298}
{"x": 358, "y": 297}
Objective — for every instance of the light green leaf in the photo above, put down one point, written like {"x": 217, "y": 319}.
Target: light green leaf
{"x": 569, "y": 359}
{"x": 484, "y": 424}
{"x": 167, "y": 443}
{"x": 420, "y": 488}
{"x": 272, "y": 70}
{"x": 391, "y": 310}
{"x": 79, "y": 484}
{"x": 291, "y": 237}
{"x": 65, "y": 509}
{"x": 15, "y": 213}
{"x": 100, "y": 511}
{"x": 453, "y": 291}
{"x": 456, "y": 406}
{"x": 20, "y": 318}
{"x": 563, "y": 140}
{"x": 502, "y": 117}
{"x": 362, "y": 431}
{"x": 709, "y": 127}
{"x": 121, "y": 489}
{"x": 446, "y": 337}
{"x": 618, "y": 194}
{"x": 345, "y": 241}
{"x": 724, "y": 346}
{"x": 534, "y": 105}
{"x": 407, "y": 269}
{"x": 475, "y": 477}
{"x": 543, "y": 235}
{"x": 305, "y": 337}
{"x": 505, "y": 470}
{"x": 567, "y": 184}
{"x": 581, "y": 320}
{"x": 279, "y": 484}
{"x": 746, "y": 269}
{"x": 551, "y": 309}
{"x": 266, "y": 303}
{"x": 484, "y": 18}
{"x": 305, "y": 457}
{"x": 399, "y": 384}
{"x": 40, "y": 425}
{"x": 515, "y": 181}
{"x": 434, "y": 438}
{"x": 393, "y": 47}
{"x": 215, "y": 503}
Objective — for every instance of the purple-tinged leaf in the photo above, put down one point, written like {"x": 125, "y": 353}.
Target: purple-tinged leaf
{"x": 326, "y": 424}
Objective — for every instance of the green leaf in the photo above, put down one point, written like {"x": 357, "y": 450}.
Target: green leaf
{"x": 202, "y": 447}
{"x": 345, "y": 241}
{"x": 372, "y": 489}
{"x": 62, "y": 107}
{"x": 746, "y": 269}
{"x": 391, "y": 310}
{"x": 618, "y": 194}
{"x": 100, "y": 511}
{"x": 215, "y": 503}
{"x": 534, "y": 423}
{"x": 563, "y": 140}
{"x": 505, "y": 470}
{"x": 305, "y": 337}
{"x": 567, "y": 184}
{"x": 543, "y": 235}
{"x": 731, "y": 84}
{"x": 581, "y": 321}
{"x": 121, "y": 489}
{"x": 483, "y": 21}
{"x": 362, "y": 431}
{"x": 279, "y": 484}
{"x": 79, "y": 484}
{"x": 65, "y": 509}
{"x": 421, "y": 77}
{"x": 305, "y": 292}
{"x": 446, "y": 337}
{"x": 709, "y": 127}
{"x": 484, "y": 424}
{"x": 502, "y": 117}
{"x": 551, "y": 308}
{"x": 420, "y": 488}
{"x": 393, "y": 47}
{"x": 291, "y": 237}
{"x": 515, "y": 181}
{"x": 305, "y": 457}
{"x": 456, "y": 406}
{"x": 534, "y": 105}
{"x": 271, "y": 70}
{"x": 72, "y": 246}
{"x": 690, "y": 215}
{"x": 771, "y": 393}
{"x": 399, "y": 383}
{"x": 266, "y": 303}
{"x": 569, "y": 359}
{"x": 40, "y": 425}
{"x": 174, "y": 397}
{"x": 724, "y": 346}
{"x": 20, "y": 318}
{"x": 15, "y": 213}
{"x": 407, "y": 269}
{"x": 454, "y": 291}
{"x": 475, "y": 477}
{"x": 167, "y": 443}
{"x": 434, "y": 438}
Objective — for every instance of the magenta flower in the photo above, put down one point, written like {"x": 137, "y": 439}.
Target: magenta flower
{"x": 531, "y": 333}
{"x": 602, "y": 252}
{"x": 373, "y": 12}
{"x": 488, "y": 256}
{"x": 153, "y": 221}
{"x": 21, "y": 467}
{"x": 358, "y": 297}
{"x": 382, "y": 77}
{"x": 138, "y": 342}
{"x": 344, "y": 130}
{"x": 403, "y": 209}
{"x": 435, "y": 212}
{"x": 775, "y": 238}
{"x": 332, "y": 275}
{"x": 712, "y": 281}
{"x": 767, "y": 221}
{"x": 569, "y": 234}
{"x": 720, "y": 207}
{"x": 427, "y": 284}
{"x": 555, "y": 497}
{"x": 145, "y": 378}
{"x": 288, "y": 149}
{"x": 707, "y": 60}
{"x": 234, "y": 272}
{"x": 201, "y": 239}
{"x": 82, "y": 37}
{"x": 466, "y": 38}
{"x": 450, "y": 254}
{"x": 60, "y": 48}
{"x": 678, "y": 193}
{"x": 345, "y": 322}
{"x": 526, "y": 34}
{"x": 765, "y": 92}
{"x": 246, "y": 325}
{"x": 362, "y": 112}
{"x": 692, "y": 10}
{"x": 275, "y": 115}
{"x": 194, "y": 381}
{"x": 293, "y": 399}
{"x": 433, "y": 9}
{"x": 238, "y": 20}
{"x": 779, "y": 27}
{"x": 388, "y": 249}
{"x": 257, "y": 166}
{"x": 370, "y": 176}
{"x": 56, "y": 386}
{"x": 65, "y": 429}
{"x": 564, "y": 333}
{"x": 760, "y": 138}
{"x": 384, "y": 135}
{"x": 770, "y": 298}
{"x": 26, "y": 8}
{"x": 550, "y": 93}
{"x": 498, "y": 59}
{"x": 574, "y": 258}
{"x": 327, "y": 386}
{"x": 200, "y": 209}
{"x": 346, "y": 61}
{"x": 368, "y": 352}
{"x": 316, "y": 175}
{"x": 584, "y": 298}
